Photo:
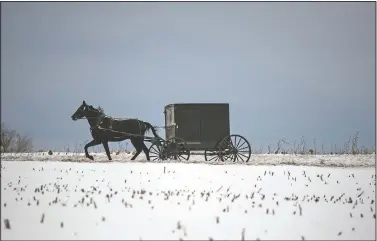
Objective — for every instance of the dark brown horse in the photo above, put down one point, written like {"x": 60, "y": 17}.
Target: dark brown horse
{"x": 105, "y": 129}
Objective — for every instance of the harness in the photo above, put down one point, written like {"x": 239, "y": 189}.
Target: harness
{"x": 105, "y": 122}
{"x": 109, "y": 121}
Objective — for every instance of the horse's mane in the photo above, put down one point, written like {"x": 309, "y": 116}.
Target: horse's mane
{"x": 100, "y": 110}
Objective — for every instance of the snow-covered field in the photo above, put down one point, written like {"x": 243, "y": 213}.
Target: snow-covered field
{"x": 257, "y": 159}
{"x": 67, "y": 197}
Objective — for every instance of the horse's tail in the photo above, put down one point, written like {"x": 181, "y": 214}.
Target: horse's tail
{"x": 152, "y": 128}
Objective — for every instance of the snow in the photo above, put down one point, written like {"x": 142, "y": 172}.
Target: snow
{"x": 255, "y": 159}
{"x": 149, "y": 200}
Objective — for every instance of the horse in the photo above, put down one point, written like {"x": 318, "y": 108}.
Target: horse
{"x": 106, "y": 129}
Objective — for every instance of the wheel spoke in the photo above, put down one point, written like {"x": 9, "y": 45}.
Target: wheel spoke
{"x": 155, "y": 152}
{"x": 214, "y": 157}
{"x": 245, "y": 148}
{"x": 229, "y": 157}
{"x": 210, "y": 159}
{"x": 155, "y": 148}
{"x": 238, "y": 142}
{"x": 176, "y": 149}
{"x": 184, "y": 155}
{"x": 152, "y": 153}
{"x": 231, "y": 143}
{"x": 211, "y": 155}
{"x": 224, "y": 158}
{"x": 239, "y": 153}
{"x": 239, "y": 147}
{"x": 217, "y": 158}
{"x": 226, "y": 143}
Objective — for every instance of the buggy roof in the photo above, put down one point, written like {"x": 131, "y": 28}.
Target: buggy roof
{"x": 203, "y": 103}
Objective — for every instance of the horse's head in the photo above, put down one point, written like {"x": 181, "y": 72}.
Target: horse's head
{"x": 86, "y": 111}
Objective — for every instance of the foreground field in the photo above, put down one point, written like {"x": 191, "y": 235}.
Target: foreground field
{"x": 69, "y": 200}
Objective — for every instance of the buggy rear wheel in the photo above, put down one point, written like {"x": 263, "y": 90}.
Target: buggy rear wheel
{"x": 176, "y": 148}
{"x": 234, "y": 148}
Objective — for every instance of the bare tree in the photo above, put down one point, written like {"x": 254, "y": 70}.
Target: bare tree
{"x": 294, "y": 147}
{"x": 315, "y": 147}
{"x": 13, "y": 141}
{"x": 280, "y": 146}
{"x": 303, "y": 141}
{"x": 301, "y": 148}
{"x": 22, "y": 144}
{"x": 347, "y": 146}
{"x": 354, "y": 143}
{"x": 7, "y": 138}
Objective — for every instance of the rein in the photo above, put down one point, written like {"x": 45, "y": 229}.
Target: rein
{"x": 120, "y": 119}
{"x": 81, "y": 118}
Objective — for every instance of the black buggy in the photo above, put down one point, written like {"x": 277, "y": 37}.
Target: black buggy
{"x": 194, "y": 128}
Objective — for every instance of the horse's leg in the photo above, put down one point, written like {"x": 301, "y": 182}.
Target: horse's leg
{"x": 145, "y": 149}
{"x": 136, "y": 143}
{"x": 90, "y": 144}
{"x": 106, "y": 146}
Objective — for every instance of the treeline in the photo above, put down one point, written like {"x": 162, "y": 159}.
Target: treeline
{"x": 351, "y": 146}
{"x": 12, "y": 141}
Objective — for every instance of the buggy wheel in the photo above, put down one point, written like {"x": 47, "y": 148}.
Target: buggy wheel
{"x": 211, "y": 155}
{"x": 156, "y": 151}
{"x": 234, "y": 148}
{"x": 176, "y": 149}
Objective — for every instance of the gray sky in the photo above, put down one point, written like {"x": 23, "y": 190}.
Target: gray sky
{"x": 287, "y": 69}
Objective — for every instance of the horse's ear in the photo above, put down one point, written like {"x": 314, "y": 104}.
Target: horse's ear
{"x": 83, "y": 102}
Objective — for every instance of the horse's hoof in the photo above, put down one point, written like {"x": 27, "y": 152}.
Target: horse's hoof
{"x": 90, "y": 157}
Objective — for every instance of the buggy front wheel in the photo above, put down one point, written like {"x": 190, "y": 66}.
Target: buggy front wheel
{"x": 156, "y": 151}
{"x": 176, "y": 148}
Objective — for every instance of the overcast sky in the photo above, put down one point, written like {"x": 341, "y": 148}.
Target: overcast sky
{"x": 288, "y": 69}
